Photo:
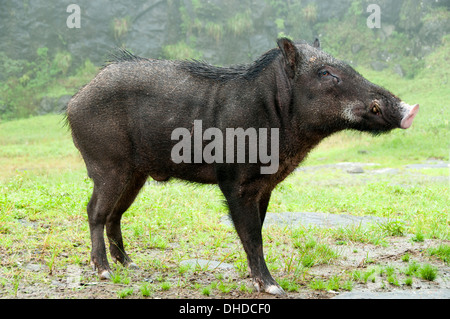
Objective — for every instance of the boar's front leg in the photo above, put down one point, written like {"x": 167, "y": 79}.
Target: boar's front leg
{"x": 245, "y": 213}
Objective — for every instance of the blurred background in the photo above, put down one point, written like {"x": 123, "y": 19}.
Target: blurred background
{"x": 43, "y": 61}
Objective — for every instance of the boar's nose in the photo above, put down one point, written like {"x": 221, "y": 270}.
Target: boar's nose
{"x": 409, "y": 113}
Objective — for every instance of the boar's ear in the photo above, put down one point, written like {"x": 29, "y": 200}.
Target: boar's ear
{"x": 316, "y": 43}
{"x": 290, "y": 54}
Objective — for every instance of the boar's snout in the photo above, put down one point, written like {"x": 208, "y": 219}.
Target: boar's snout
{"x": 409, "y": 113}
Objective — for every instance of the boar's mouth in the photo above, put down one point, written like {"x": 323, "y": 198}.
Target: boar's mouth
{"x": 409, "y": 113}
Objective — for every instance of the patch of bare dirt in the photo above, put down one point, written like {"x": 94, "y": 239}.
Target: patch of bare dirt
{"x": 78, "y": 282}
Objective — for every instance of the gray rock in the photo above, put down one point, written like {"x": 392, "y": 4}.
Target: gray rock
{"x": 379, "y": 65}
{"x": 430, "y": 164}
{"x": 295, "y": 219}
{"x": 57, "y": 283}
{"x": 348, "y": 165}
{"x": 385, "y": 171}
{"x": 355, "y": 170}
{"x": 207, "y": 264}
{"x": 61, "y": 104}
{"x": 399, "y": 70}
{"x": 433, "y": 29}
{"x": 356, "y": 48}
{"x": 33, "y": 267}
{"x": 47, "y": 105}
{"x": 345, "y": 166}
{"x": 27, "y": 223}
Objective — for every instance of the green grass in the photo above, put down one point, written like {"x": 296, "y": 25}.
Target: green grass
{"x": 428, "y": 272}
{"x": 125, "y": 292}
{"x": 425, "y": 271}
{"x": 394, "y": 276}
{"x": 165, "y": 286}
{"x": 146, "y": 290}
{"x": 206, "y": 291}
{"x": 120, "y": 275}
{"x": 334, "y": 283}
{"x": 442, "y": 252}
{"x": 312, "y": 253}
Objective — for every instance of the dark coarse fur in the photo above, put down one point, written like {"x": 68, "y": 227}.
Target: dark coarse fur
{"x": 122, "y": 123}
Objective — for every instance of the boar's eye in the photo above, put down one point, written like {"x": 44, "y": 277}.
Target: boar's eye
{"x": 375, "y": 108}
{"x": 327, "y": 75}
{"x": 323, "y": 73}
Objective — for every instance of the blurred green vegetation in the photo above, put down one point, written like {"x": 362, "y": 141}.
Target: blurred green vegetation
{"x": 23, "y": 84}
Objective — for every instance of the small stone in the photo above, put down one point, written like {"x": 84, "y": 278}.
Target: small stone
{"x": 355, "y": 170}
{"x": 206, "y": 264}
{"x": 33, "y": 267}
{"x": 385, "y": 171}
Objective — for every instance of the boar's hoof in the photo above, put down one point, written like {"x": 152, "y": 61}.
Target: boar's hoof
{"x": 105, "y": 275}
{"x": 273, "y": 289}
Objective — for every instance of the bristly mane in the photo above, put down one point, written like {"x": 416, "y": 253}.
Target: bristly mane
{"x": 247, "y": 71}
{"x": 204, "y": 69}
{"x": 122, "y": 55}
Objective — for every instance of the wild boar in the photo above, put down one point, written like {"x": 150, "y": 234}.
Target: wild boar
{"x": 139, "y": 118}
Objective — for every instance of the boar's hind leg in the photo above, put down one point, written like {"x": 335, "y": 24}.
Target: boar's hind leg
{"x": 97, "y": 210}
{"x": 248, "y": 223}
{"x": 106, "y": 206}
{"x": 113, "y": 230}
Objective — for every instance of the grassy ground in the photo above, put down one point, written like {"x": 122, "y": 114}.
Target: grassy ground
{"x": 44, "y": 191}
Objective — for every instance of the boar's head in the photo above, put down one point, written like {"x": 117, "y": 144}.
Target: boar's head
{"x": 329, "y": 95}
